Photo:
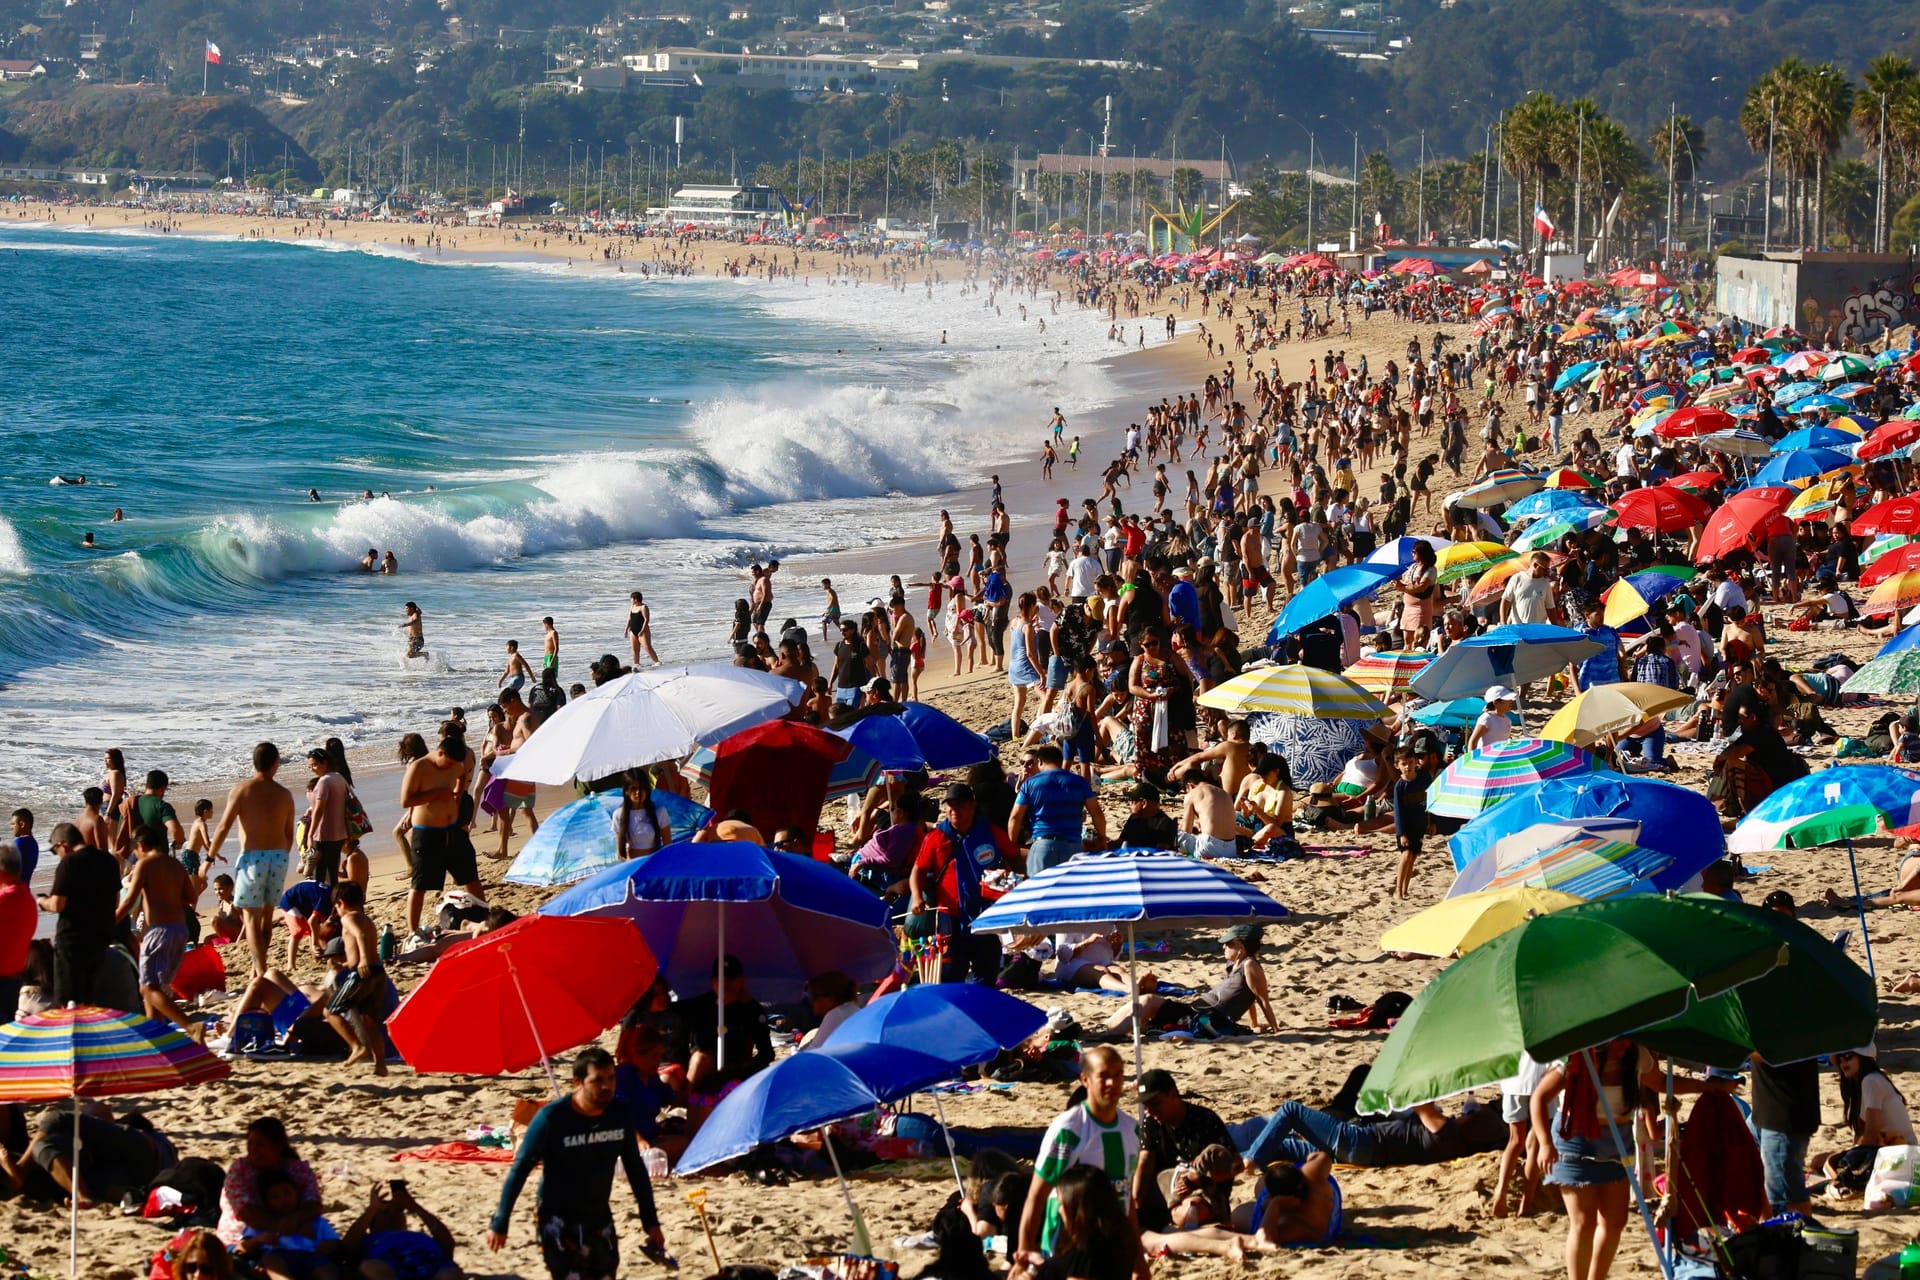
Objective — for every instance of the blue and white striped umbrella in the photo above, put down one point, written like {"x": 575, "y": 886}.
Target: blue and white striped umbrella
{"x": 1164, "y": 890}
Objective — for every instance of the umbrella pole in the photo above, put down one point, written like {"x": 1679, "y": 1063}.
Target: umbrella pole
{"x": 1671, "y": 1249}
{"x": 553, "y": 1081}
{"x": 861, "y": 1245}
{"x": 73, "y": 1196}
{"x": 1633, "y": 1173}
{"x": 1860, "y": 908}
{"x": 720, "y": 998}
{"x": 1133, "y": 994}
{"x": 952, "y": 1156}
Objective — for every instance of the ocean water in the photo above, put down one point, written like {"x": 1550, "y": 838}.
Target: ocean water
{"x": 540, "y": 441}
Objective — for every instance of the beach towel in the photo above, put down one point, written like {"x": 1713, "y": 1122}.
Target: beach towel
{"x": 456, "y": 1153}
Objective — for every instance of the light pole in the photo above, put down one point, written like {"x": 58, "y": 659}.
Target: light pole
{"x": 1880, "y": 192}
{"x": 1353, "y": 227}
{"x": 1420, "y": 218}
{"x": 1309, "y": 133}
{"x": 1766, "y": 212}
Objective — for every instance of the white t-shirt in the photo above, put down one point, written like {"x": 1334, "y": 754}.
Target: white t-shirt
{"x": 1728, "y": 595}
{"x": 1528, "y": 596}
{"x": 1878, "y": 1094}
{"x": 818, "y": 1037}
{"x": 1082, "y": 573}
{"x": 1623, "y": 461}
{"x": 1686, "y": 643}
{"x": 1495, "y": 728}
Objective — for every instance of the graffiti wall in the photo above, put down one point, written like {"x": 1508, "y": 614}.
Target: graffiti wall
{"x": 1852, "y": 297}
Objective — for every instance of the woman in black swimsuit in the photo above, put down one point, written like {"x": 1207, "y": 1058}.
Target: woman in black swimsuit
{"x": 640, "y": 630}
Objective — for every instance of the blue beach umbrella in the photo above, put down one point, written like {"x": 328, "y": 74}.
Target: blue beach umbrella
{"x": 1815, "y": 438}
{"x": 1814, "y": 404}
{"x": 918, "y": 738}
{"x": 1104, "y": 890}
{"x": 783, "y": 916}
{"x": 578, "y": 840}
{"x": 1800, "y": 464}
{"x": 1327, "y": 594}
{"x": 1587, "y": 866}
{"x": 1655, "y": 815}
{"x": 1454, "y": 713}
{"x": 1908, "y": 639}
{"x": 1552, "y": 502}
{"x": 1516, "y": 654}
{"x": 1795, "y": 391}
{"x": 1398, "y": 554}
{"x": 1574, "y": 374}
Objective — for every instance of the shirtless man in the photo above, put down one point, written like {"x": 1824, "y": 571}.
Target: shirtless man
{"x": 264, "y": 810}
{"x": 416, "y": 631}
{"x": 1233, "y": 753}
{"x": 1296, "y": 1204}
{"x": 165, "y": 892}
{"x": 369, "y": 561}
{"x": 1207, "y": 826}
{"x": 430, "y": 792}
{"x": 549, "y": 647}
{"x": 92, "y": 822}
{"x": 356, "y": 1015}
{"x": 760, "y": 595}
{"x": 518, "y": 672}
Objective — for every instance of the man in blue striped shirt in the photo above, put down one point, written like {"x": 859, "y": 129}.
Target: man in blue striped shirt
{"x": 1653, "y": 666}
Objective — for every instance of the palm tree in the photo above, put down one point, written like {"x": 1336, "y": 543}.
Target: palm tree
{"x": 1531, "y": 140}
{"x": 1774, "y": 113}
{"x": 1849, "y": 200}
{"x": 1890, "y": 100}
{"x": 1824, "y": 118}
{"x": 1685, "y": 139}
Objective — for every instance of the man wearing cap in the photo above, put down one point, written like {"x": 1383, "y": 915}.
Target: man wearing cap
{"x": 1175, "y": 1132}
{"x": 1147, "y": 825}
{"x": 85, "y": 891}
{"x": 946, "y": 880}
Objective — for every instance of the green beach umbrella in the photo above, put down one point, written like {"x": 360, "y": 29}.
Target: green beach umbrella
{"x": 1895, "y": 674}
{"x": 1816, "y": 1001}
{"x": 1561, "y": 983}
{"x": 1881, "y": 545}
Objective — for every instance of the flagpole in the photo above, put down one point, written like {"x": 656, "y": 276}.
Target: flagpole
{"x": 204, "y": 64}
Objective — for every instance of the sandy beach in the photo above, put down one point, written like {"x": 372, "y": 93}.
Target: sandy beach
{"x": 1403, "y": 1222}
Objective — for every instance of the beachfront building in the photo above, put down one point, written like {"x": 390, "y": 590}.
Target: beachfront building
{"x": 732, "y": 207}
{"x": 794, "y": 72}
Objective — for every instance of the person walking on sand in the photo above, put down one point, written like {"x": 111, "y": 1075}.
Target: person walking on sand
{"x": 264, "y": 810}
{"x": 640, "y": 629}
{"x": 576, "y": 1140}
{"x": 356, "y": 1001}
{"x": 164, "y": 891}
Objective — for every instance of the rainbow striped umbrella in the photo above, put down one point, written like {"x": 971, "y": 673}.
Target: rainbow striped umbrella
{"x": 1294, "y": 689}
{"x": 1486, "y": 776}
{"x": 1468, "y": 560}
{"x": 1587, "y": 866}
{"x": 1387, "y": 674}
{"x": 85, "y": 1052}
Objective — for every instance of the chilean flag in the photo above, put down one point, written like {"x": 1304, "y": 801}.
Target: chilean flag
{"x": 1541, "y": 222}
{"x": 213, "y": 53}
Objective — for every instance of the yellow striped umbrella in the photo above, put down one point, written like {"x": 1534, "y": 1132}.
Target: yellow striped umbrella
{"x": 1895, "y": 594}
{"x": 1468, "y": 559}
{"x": 1389, "y": 673}
{"x": 1818, "y": 499}
{"x": 1295, "y": 689}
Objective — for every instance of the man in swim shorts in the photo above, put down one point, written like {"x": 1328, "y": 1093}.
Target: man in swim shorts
{"x": 432, "y": 791}
{"x": 264, "y": 810}
{"x": 163, "y": 891}
{"x": 549, "y": 647}
{"x": 416, "y": 631}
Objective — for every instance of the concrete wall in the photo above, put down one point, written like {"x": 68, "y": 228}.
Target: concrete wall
{"x": 1856, "y": 296}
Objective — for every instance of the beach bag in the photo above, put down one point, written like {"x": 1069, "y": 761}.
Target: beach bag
{"x": 1890, "y": 1185}
{"x": 253, "y": 1032}
{"x": 358, "y": 824}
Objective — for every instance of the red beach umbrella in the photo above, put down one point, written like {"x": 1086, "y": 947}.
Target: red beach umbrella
{"x": 1895, "y": 515}
{"x": 780, "y": 772}
{"x": 519, "y": 995}
{"x": 1695, "y": 420}
{"x": 1660, "y": 508}
{"x": 1743, "y": 520}
{"x": 1898, "y": 560}
{"x": 1695, "y": 481}
{"x": 1888, "y": 437}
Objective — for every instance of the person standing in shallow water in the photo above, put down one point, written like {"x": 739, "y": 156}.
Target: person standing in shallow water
{"x": 640, "y": 629}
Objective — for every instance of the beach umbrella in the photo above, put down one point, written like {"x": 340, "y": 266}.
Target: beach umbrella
{"x": 1568, "y": 478}
{"x": 1574, "y": 373}
{"x": 1816, "y": 1001}
{"x": 1635, "y": 594}
{"x": 1814, "y": 404}
{"x": 1737, "y": 444}
{"x": 647, "y": 717}
{"x": 1895, "y": 593}
{"x": 1494, "y": 581}
{"x": 1742, "y": 521}
{"x": 959, "y": 1022}
{"x": 1551, "y": 502}
{"x": 1399, "y": 552}
{"x": 1455, "y": 926}
{"x": 1661, "y": 816}
{"x": 1832, "y": 806}
{"x": 86, "y": 1052}
{"x": 1889, "y": 438}
{"x": 1294, "y": 689}
{"x": 1454, "y": 713}
{"x": 1559, "y": 983}
{"x": 1589, "y": 866}
{"x": 1818, "y": 499}
{"x": 1787, "y": 392}
{"x": 1883, "y": 544}
{"x": 1695, "y": 481}
{"x": 1550, "y": 531}
{"x": 917, "y": 737}
{"x": 1327, "y": 594}
{"x": 1519, "y": 653}
{"x": 1316, "y": 750}
{"x": 1469, "y": 559}
{"x": 808, "y": 1091}
{"x": 1486, "y": 776}
{"x": 1695, "y": 420}
{"x": 1164, "y": 891}
{"x": 1800, "y": 466}
{"x": 1500, "y": 487}
{"x": 1901, "y": 642}
{"x": 1815, "y": 438}
{"x": 781, "y": 772}
{"x": 1844, "y": 366}
{"x": 784, "y": 916}
{"x": 1611, "y": 708}
{"x": 1661, "y": 509}
{"x": 518, "y": 995}
{"x": 1895, "y": 674}
{"x": 572, "y": 844}
{"x": 1894, "y": 515}
{"x": 1387, "y": 674}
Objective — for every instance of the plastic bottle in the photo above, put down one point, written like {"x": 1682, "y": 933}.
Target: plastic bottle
{"x": 1910, "y": 1262}
{"x": 386, "y": 944}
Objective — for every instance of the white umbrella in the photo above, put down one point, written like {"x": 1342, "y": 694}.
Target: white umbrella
{"x": 646, "y": 717}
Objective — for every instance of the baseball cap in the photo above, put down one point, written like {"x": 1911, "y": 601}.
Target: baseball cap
{"x": 1498, "y": 693}
{"x": 1156, "y": 1082}
{"x": 336, "y": 949}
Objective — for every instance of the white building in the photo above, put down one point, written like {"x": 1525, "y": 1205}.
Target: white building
{"x": 797, "y": 73}
{"x": 733, "y": 207}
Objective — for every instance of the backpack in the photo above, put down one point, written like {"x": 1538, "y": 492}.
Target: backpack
{"x": 253, "y": 1032}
